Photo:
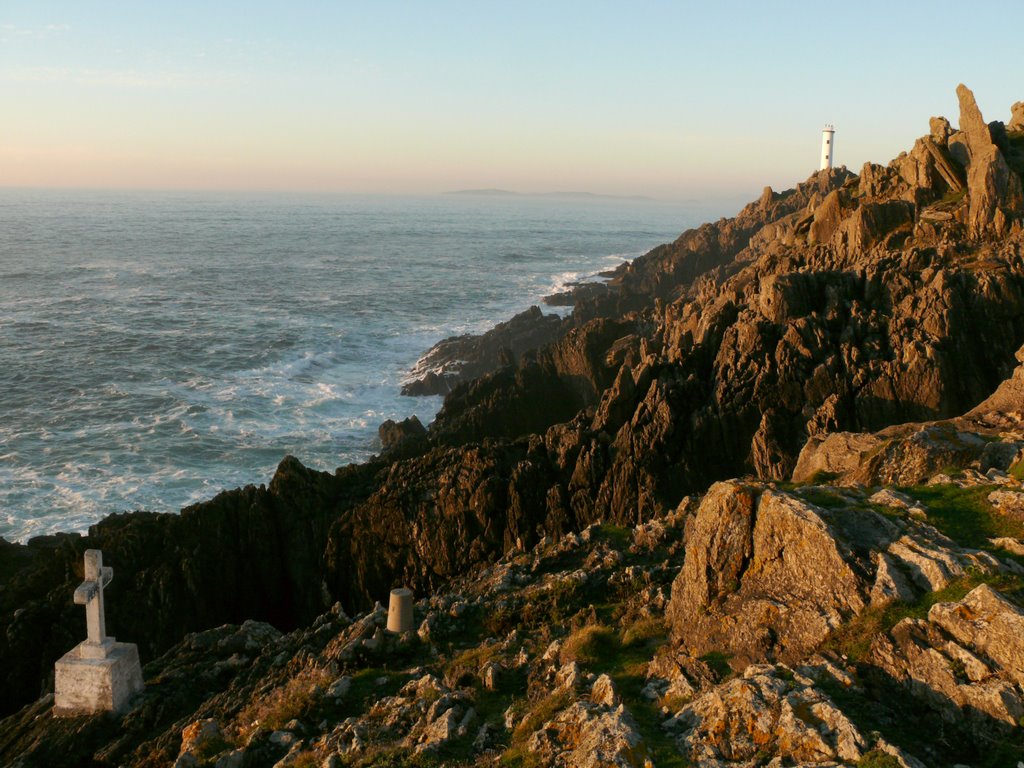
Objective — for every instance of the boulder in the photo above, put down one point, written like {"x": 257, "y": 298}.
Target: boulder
{"x": 589, "y": 736}
{"x": 769, "y": 574}
{"x": 767, "y": 708}
{"x": 966, "y": 660}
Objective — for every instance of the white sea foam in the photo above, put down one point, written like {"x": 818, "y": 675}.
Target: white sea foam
{"x": 140, "y": 372}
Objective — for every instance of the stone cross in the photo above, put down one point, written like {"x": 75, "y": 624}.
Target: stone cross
{"x": 90, "y": 594}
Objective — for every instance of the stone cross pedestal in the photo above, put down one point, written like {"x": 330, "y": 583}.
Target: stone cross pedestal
{"x": 99, "y": 674}
{"x": 400, "y": 611}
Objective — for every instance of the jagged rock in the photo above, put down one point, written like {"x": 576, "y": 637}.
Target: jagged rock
{"x": 202, "y": 736}
{"x": 735, "y": 721}
{"x": 339, "y": 688}
{"x": 940, "y": 130}
{"x": 908, "y": 455}
{"x": 490, "y": 675}
{"x": 966, "y": 660}
{"x": 569, "y": 677}
{"x": 741, "y": 340}
{"x": 439, "y": 732}
{"x": 1017, "y": 117}
{"x": 392, "y": 434}
{"x": 768, "y": 575}
{"x": 583, "y": 736}
{"x": 838, "y": 453}
{"x": 1009, "y": 503}
{"x": 994, "y": 190}
{"x": 989, "y": 623}
{"x": 461, "y": 358}
{"x": 603, "y": 692}
{"x": 1010, "y": 544}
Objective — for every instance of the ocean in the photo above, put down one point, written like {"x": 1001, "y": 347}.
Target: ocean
{"x": 159, "y": 347}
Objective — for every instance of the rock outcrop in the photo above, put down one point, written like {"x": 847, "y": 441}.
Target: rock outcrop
{"x": 857, "y": 330}
{"x": 994, "y": 190}
{"x": 768, "y": 575}
{"x": 464, "y": 358}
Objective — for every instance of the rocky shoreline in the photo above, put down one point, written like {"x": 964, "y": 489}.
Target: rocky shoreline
{"x": 597, "y": 583}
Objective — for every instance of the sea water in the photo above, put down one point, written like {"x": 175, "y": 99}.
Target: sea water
{"x": 157, "y": 348}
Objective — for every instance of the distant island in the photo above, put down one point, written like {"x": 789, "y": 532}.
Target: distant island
{"x": 562, "y": 195}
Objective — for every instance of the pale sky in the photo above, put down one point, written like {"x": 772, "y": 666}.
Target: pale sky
{"x": 666, "y": 99}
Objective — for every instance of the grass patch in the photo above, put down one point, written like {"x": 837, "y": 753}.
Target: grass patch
{"x": 367, "y": 687}
{"x": 392, "y": 757}
{"x": 719, "y": 663}
{"x": 1017, "y": 470}
{"x": 644, "y": 631}
{"x": 590, "y": 645}
{"x": 519, "y": 757}
{"x": 616, "y": 535}
{"x": 541, "y": 711}
{"x": 553, "y": 606}
{"x": 876, "y": 758}
{"x": 964, "y": 514}
{"x": 855, "y": 637}
{"x": 469, "y": 662}
{"x": 661, "y": 748}
{"x": 953, "y": 196}
{"x": 287, "y": 702}
{"x": 823, "y": 497}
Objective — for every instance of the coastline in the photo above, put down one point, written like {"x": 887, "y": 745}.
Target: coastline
{"x": 793, "y": 400}
{"x": 295, "y": 383}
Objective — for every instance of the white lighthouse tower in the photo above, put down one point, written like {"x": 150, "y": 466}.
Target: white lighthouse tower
{"x": 827, "y": 145}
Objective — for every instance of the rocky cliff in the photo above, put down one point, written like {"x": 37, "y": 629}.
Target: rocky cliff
{"x": 599, "y": 590}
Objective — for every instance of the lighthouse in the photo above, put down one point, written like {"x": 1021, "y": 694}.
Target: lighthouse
{"x": 827, "y": 145}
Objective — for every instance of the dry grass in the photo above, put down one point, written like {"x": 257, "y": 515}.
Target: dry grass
{"x": 542, "y": 711}
{"x": 589, "y": 645}
{"x": 285, "y": 703}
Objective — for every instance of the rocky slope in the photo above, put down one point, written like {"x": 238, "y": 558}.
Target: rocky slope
{"x": 585, "y": 608}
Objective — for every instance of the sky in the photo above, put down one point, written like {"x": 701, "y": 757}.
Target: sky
{"x": 674, "y": 100}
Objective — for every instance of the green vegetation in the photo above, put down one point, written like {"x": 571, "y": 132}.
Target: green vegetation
{"x": 854, "y": 638}
{"x": 392, "y": 757}
{"x": 469, "y": 662}
{"x": 952, "y": 197}
{"x": 964, "y": 514}
{"x": 823, "y": 497}
{"x": 616, "y": 535}
{"x": 369, "y": 685}
{"x": 590, "y": 646}
{"x": 1017, "y": 471}
{"x": 876, "y": 758}
{"x": 719, "y": 663}
{"x": 643, "y": 632}
{"x": 538, "y": 714}
{"x": 623, "y": 656}
{"x": 287, "y": 702}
